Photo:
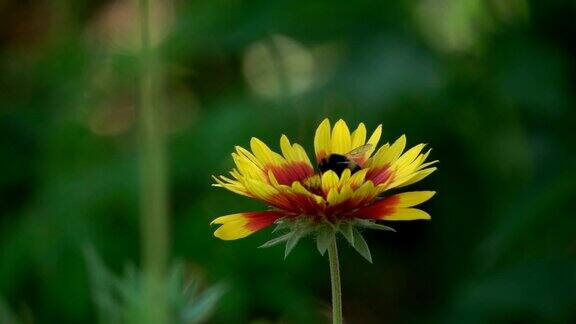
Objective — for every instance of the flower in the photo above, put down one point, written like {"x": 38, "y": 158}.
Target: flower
{"x": 348, "y": 187}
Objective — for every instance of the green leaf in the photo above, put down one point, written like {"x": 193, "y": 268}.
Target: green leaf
{"x": 276, "y": 241}
{"x": 347, "y": 231}
{"x": 361, "y": 246}
{"x": 373, "y": 225}
{"x": 324, "y": 239}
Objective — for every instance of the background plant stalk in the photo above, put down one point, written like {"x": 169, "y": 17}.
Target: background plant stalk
{"x": 153, "y": 186}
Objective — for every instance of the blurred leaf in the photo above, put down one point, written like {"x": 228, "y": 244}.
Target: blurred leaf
{"x": 122, "y": 300}
{"x": 103, "y": 286}
{"x": 201, "y": 307}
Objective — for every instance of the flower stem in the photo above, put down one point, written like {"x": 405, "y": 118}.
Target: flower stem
{"x": 335, "y": 281}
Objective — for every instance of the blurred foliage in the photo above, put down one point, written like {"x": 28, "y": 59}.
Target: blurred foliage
{"x": 122, "y": 300}
{"x": 490, "y": 85}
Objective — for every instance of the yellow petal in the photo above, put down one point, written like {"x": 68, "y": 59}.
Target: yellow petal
{"x": 336, "y": 196}
{"x": 244, "y": 152}
{"x": 359, "y": 136}
{"x": 273, "y": 181}
{"x": 357, "y": 179}
{"x": 300, "y": 153}
{"x": 392, "y": 207}
{"x": 345, "y": 178}
{"x": 299, "y": 189}
{"x": 386, "y": 155}
{"x": 407, "y": 214}
{"x": 230, "y": 232}
{"x": 233, "y": 227}
{"x": 287, "y": 149}
{"x": 410, "y": 155}
{"x": 261, "y": 189}
{"x": 364, "y": 193}
{"x": 229, "y": 218}
{"x": 322, "y": 140}
{"x": 418, "y": 176}
{"x": 374, "y": 139}
{"x": 377, "y": 158}
{"x": 229, "y": 184}
{"x": 340, "y": 142}
{"x": 264, "y": 154}
{"x": 427, "y": 164}
{"x": 409, "y": 199}
{"x": 329, "y": 181}
{"x": 395, "y": 150}
{"x": 240, "y": 225}
{"x": 247, "y": 168}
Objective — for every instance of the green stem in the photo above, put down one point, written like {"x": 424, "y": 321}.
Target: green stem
{"x": 153, "y": 176}
{"x": 335, "y": 281}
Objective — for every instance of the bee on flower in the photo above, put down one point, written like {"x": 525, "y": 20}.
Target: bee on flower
{"x": 345, "y": 190}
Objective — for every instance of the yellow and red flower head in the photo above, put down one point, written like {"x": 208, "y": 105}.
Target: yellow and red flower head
{"x": 298, "y": 192}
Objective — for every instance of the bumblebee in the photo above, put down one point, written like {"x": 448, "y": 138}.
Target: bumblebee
{"x": 340, "y": 162}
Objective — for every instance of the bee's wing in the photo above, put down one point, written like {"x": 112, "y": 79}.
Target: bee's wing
{"x": 360, "y": 150}
{"x": 356, "y": 156}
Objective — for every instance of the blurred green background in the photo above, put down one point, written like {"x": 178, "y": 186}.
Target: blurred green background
{"x": 490, "y": 85}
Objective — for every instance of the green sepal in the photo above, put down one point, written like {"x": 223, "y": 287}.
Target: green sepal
{"x": 275, "y": 241}
{"x": 324, "y": 239}
{"x": 347, "y": 231}
{"x": 282, "y": 224}
{"x": 361, "y": 246}
{"x": 293, "y": 240}
{"x": 373, "y": 225}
